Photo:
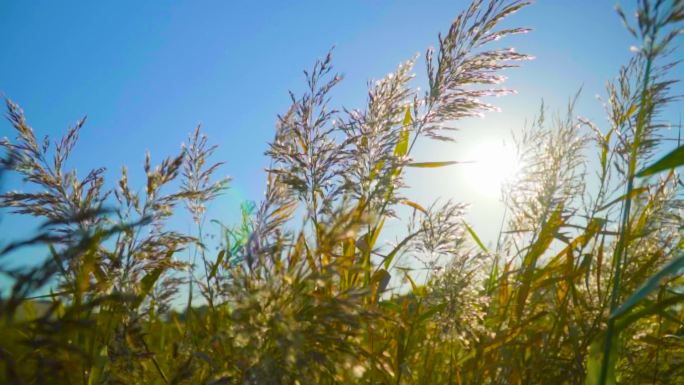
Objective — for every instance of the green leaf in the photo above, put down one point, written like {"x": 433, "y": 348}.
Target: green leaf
{"x": 652, "y": 284}
{"x": 401, "y": 148}
{"x": 414, "y": 287}
{"x": 431, "y": 164}
{"x": 632, "y": 109}
{"x": 493, "y": 275}
{"x": 407, "y": 116}
{"x": 432, "y": 311}
{"x": 649, "y": 308}
{"x": 475, "y": 238}
{"x": 669, "y": 161}
{"x": 147, "y": 283}
{"x": 548, "y": 233}
{"x": 393, "y": 253}
{"x": 219, "y": 260}
{"x": 635, "y": 192}
{"x": 378, "y": 167}
{"x": 376, "y": 233}
{"x": 604, "y": 150}
{"x": 595, "y": 360}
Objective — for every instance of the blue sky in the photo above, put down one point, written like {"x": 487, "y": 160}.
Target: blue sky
{"x": 146, "y": 73}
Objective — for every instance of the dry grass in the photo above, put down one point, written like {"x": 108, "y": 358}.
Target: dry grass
{"x": 584, "y": 286}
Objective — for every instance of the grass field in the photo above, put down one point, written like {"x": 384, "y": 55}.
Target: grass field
{"x": 584, "y": 285}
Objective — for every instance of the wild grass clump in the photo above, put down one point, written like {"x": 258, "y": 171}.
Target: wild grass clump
{"x": 583, "y": 287}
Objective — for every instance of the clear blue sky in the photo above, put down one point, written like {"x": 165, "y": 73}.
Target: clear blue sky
{"x": 147, "y": 72}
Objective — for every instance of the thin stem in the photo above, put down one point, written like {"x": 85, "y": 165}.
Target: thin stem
{"x": 621, "y": 247}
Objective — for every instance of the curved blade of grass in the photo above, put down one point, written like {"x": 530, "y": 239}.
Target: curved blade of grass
{"x": 401, "y": 148}
{"x": 432, "y": 164}
{"x": 671, "y": 268}
{"x": 393, "y": 253}
{"x": 635, "y": 192}
{"x": 414, "y": 205}
{"x": 672, "y": 160}
{"x": 475, "y": 238}
{"x": 219, "y": 260}
{"x": 147, "y": 283}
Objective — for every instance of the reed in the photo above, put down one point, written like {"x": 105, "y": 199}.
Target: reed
{"x": 584, "y": 286}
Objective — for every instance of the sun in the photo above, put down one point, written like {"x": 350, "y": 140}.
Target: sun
{"x": 490, "y": 165}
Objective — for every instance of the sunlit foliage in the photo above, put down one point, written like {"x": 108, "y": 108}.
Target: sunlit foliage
{"x": 583, "y": 287}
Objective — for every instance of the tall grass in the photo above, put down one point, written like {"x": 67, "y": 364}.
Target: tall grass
{"x": 584, "y": 286}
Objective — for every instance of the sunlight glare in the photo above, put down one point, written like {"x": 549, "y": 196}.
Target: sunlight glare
{"x": 492, "y": 165}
